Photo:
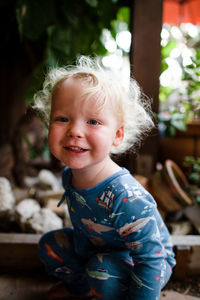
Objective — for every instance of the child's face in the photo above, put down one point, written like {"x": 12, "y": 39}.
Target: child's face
{"x": 80, "y": 135}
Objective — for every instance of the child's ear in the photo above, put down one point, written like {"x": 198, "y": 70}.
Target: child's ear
{"x": 119, "y": 135}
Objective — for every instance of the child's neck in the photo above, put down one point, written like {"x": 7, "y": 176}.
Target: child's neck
{"x": 82, "y": 179}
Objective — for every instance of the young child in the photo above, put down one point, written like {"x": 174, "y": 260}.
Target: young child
{"x": 119, "y": 248}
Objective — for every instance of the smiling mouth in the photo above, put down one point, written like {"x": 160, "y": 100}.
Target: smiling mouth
{"x": 76, "y": 149}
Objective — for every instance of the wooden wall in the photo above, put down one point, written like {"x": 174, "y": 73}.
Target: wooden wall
{"x": 145, "y": 60}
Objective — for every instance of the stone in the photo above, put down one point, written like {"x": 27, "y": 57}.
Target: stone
{"x": 180, "y": 228}
{"x": 61, "y": 211}
{"x": 47, "y": 180}
{"x": 44, "y": 220}
{"x": 24, "y": 211}
{"x": 7, "y": 202}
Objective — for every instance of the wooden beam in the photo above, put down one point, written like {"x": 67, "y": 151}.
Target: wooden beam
{"x": 187, "y": 250}
{"x": 146, "y": 50}
{"x": 19, "y": 252}
{"x": 145, "y": 59}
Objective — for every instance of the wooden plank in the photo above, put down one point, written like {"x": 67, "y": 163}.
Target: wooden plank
{"x": 19, "y": 238}
{"x": 186, "y": 240}
{"x": 145, "y": 59}
{"x": 187, "y": 249}
{"x": 19, "y": 252}
{"x": 30, "y": 238}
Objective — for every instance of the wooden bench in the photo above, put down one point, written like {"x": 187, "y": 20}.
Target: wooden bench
{"x": 19, "y": 252}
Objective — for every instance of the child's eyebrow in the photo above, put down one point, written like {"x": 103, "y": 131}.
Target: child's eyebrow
{"x": 94, "y": 116}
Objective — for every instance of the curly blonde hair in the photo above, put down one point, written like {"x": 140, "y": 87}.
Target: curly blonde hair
{"x": 131, "y": 106}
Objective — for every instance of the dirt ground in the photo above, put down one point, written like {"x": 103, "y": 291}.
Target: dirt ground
{"x": 27, "y": 286}
{"x": 190, "y": 286}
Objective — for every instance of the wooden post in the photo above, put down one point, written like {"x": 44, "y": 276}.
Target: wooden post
{"x": 145, "y": 59}
{"x": 182, "y": 261}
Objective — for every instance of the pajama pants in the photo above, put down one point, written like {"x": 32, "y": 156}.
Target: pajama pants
{"x": 107, "y": 274}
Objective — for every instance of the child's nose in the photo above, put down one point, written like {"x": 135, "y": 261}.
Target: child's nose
{"x": 75, "y": 130}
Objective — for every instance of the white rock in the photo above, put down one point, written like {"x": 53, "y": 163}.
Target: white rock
{"x": 24, "y": 211}
{"x": 181, "y": 228}
{"x": 7, "y": 200}
{"x": 48, "y": 180}
{"x": 44, "y": 220}
{"x": 30, "y": 181}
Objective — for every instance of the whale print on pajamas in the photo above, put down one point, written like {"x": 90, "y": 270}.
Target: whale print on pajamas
{"x": 99, "y": 228}
{"x": 128, "y": 228}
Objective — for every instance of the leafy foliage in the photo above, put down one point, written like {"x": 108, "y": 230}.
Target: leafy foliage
{"x": 67, "y": 29}
{"x": 54, "y": 32}
{"x": 192, "y": 166}
{"x": 191, "y": 75}
{"x": 180, "y": 104}
{"x": 172, "y": 121}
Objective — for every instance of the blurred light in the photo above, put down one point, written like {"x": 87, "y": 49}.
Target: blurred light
{"x": 186, "y": 54}
{"x": 176, "y": 33}
{"x": 172, "y": 76}
{"x": 110, "y": 46}
{"x": 112, "y": 61}
{"x": 191, "y": 29}
{"x": 164, "y": 34}
{"x": 123, "y": 40}
{"x": 108, "y": 41}
{"x": 175, "y": 53}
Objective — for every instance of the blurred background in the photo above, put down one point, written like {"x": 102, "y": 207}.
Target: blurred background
{"x": 156, "y": 42}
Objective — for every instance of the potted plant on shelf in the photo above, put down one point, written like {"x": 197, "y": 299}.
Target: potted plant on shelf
{"x": 192, "y": 170}
{"x": 180, "y": 126}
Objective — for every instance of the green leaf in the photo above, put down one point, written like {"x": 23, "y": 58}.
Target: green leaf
{"x": 179, "y": 124}
{"x": 171, "y": 131}
{"x": 123, "y": 15}
{"x": 165, "y": 51}
{"x": 33, "y": 16}
{"x": 92, "y": 3}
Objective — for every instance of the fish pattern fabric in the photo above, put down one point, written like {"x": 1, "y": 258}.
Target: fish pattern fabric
{"x": 119, "y": 245}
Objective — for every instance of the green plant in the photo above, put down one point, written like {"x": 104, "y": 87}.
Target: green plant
{"x": 192, "y": 166}
{"x": 188, "y": 106}
{"x": 65, "y": 29}
{"x": 179, "y": 95}
{"x": 171, "y": 121}
{"x": 191, "y": 97}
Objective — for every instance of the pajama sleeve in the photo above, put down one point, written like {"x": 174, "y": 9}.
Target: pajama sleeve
{"x": 137, "y": 225}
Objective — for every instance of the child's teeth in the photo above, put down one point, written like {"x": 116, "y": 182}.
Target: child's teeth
{"x": 76, "y": 148}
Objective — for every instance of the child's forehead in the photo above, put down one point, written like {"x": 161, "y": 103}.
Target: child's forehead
{"x": 83, "y": 89}
{"x": 70, "y": 82}
{"x": 80, "y": 79}
{"x": 67, "y": 87}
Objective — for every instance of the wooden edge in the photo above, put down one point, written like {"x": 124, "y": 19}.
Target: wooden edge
{"x": 19, "y": 252}
{"x": 185, "y": 240}
{"x": 19, "y": 238}
{"x": 31, "y": 238}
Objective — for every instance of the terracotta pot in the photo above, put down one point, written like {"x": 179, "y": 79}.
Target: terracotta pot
{"x": 185, "y": 143}
{"x": 168, "y": 187}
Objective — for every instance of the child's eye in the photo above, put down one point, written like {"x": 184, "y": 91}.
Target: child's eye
{"x": 62, "y": 119}
{"x": 93, "y": 122}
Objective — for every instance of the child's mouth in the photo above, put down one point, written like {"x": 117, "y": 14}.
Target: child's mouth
{"x": 76, "y": 149}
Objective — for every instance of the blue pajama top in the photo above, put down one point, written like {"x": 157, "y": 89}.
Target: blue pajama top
{"x": 119, "y": 213}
